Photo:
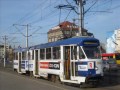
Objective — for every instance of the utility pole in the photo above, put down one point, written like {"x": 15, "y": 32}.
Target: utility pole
{"x": 27, "y": 36}
{"x": 64, "y": 7}
{"x": 27, "y": 40}
{"x": 5, "y": 38}
{"x": 80, "y": 4}
{"x": 23, "y": 33}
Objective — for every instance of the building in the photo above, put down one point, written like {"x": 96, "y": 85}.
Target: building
{"x": 117, "y": 47}
{"x": 2, "y": 51}
{"x": 65, "y": 30}
{"x": 113, "y": 41}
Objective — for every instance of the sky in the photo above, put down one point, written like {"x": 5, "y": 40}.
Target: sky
{"x": 42, "y": 15}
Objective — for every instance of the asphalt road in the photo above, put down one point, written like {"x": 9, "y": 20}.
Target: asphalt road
{"x": 10, "y": 80}
{"x": 13, "y": 81}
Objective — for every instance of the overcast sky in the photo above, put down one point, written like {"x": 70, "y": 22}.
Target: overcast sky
{"x": 42, "y": 15}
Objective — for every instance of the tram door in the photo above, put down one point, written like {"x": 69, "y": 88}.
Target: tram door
{"x": 36, "y": 62}
{"x": 19, "y": 59}
{"x": 67, "y": 62}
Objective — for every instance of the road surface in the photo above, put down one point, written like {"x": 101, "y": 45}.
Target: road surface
{"x": 10, "y": 80}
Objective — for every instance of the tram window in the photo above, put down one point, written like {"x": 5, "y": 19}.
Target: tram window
{"x": 73, "y": 52}
{"x": 56, "y": 52}
{"x": 36, "y": 54}
{"x": 23, "y": 55}
{"x": 19, "y": 56}
{"x": 42, "y": 53}
{"x": 29, "y": 56}
{"x": 81, "y": 54}
{"x": 15, "y": 56}
{"x": 48, "y": 53}
{"x": 32, "y": 54}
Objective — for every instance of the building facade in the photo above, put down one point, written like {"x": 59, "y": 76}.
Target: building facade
{"x": 2, "y": 51}
{"x": 113, "y": 41}
{"x": 65, "y": 30}
{"x": 117, "y": 47}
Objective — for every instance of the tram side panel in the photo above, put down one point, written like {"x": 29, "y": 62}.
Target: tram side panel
{"x": 15, "y": 65}
{"x": 26, "y": 66}
{"x": 46, "y": 67}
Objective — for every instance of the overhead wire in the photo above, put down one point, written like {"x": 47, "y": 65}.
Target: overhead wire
{"x": 33, "y": 10}
{"x": 49, "y": 14}
{"x": 100, "y": 11}
{"x": 19, "y": 31}
{"x": 37, "y": 13}
{"x": 90, "y": 7}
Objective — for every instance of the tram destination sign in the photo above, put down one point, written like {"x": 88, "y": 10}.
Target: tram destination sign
{"x": 91, "y": 43}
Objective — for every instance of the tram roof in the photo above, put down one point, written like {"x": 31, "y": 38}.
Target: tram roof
{"x": 74, "y": 40}
{"x": 20, "y": 49}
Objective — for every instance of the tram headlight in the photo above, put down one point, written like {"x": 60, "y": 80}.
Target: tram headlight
{"x": 96, "y": 68}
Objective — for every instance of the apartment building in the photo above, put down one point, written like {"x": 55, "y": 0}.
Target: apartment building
{"x": 65, "y": 30}
{"x": 113, "y": 41}
{"x": 117, "y": 47}
{"x": 2, "y": 51}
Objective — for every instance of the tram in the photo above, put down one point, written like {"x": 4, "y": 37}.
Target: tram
{"x": 75, "y": 60}
{"x": 23, "y": 62}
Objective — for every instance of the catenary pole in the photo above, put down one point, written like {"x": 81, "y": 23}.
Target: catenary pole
{"x": 5, "y": 38}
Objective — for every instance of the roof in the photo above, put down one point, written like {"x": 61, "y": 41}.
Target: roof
{"x": 66, "y": 25}
{"x": 63, "y": 26}
{"x": 20, "y": 49}
{"x": 75, "y": 40}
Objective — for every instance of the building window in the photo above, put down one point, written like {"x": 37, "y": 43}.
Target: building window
{"x": 85, "y": 33}
{"x": 49, "y": 40}
{"x": 52, "y": 39}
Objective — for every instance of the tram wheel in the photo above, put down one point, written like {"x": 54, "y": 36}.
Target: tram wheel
{"x": 53, "y": 78}
{"x": 57, "y": 80}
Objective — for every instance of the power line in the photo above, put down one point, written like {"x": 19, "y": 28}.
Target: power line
{"x": 90, "y": 7}
{"x": 29, "y": 16}
{"x": 43, "y": 18}
{"x": 33, "y": 10}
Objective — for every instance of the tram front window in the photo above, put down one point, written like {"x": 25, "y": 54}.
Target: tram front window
{"x": 92, "y": 52}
